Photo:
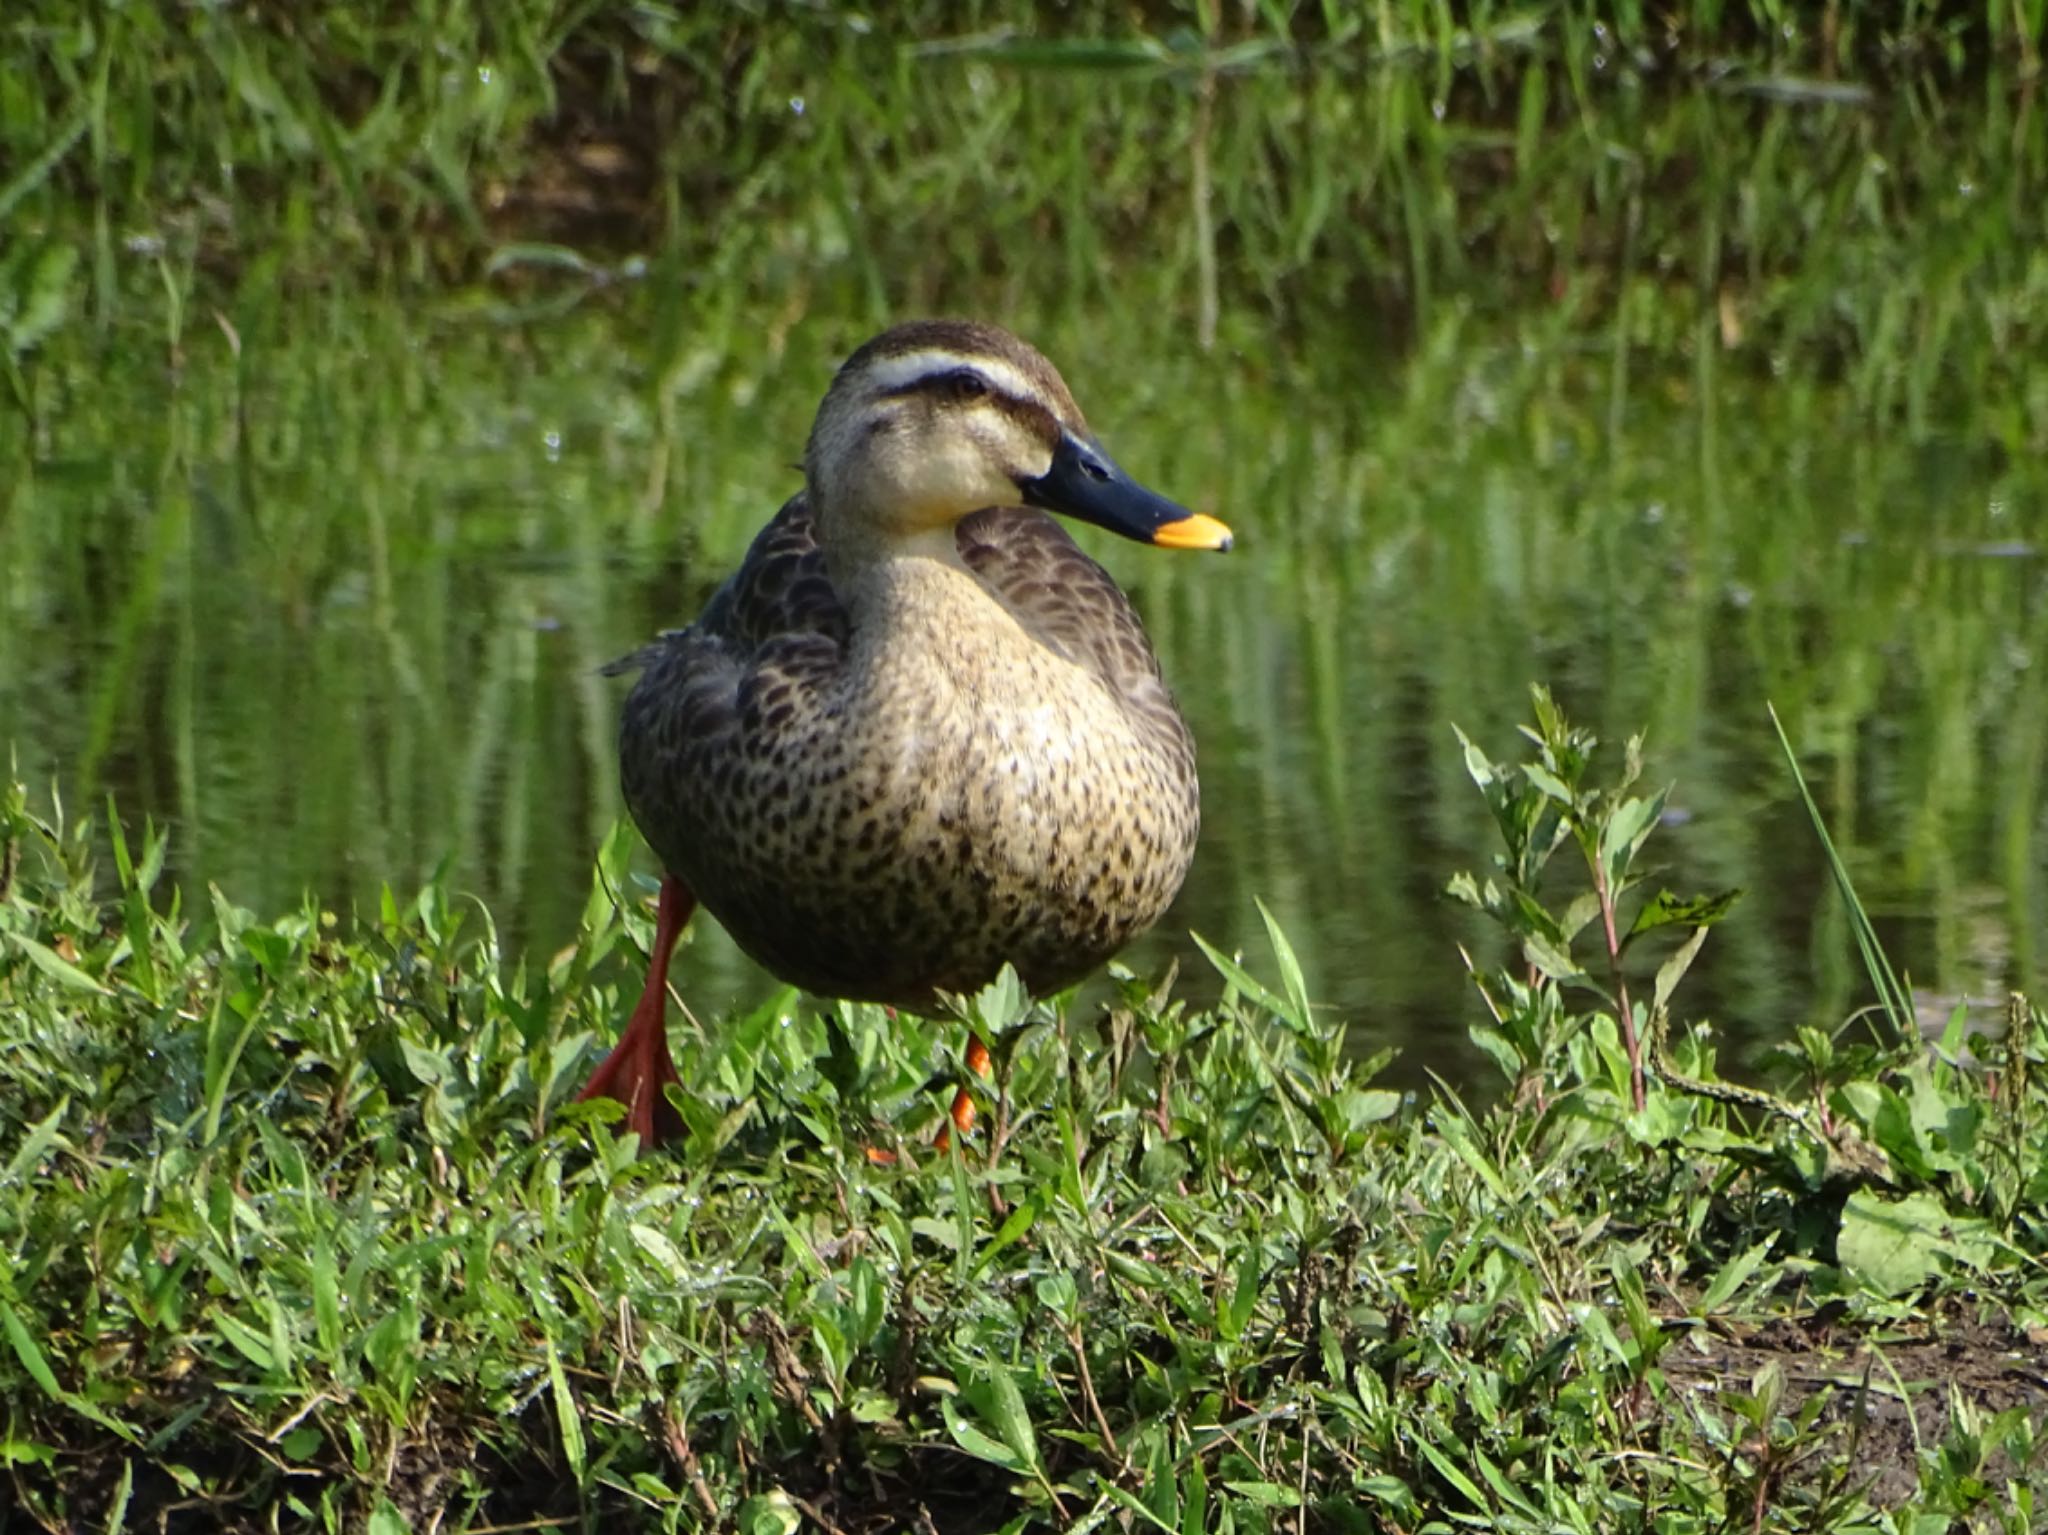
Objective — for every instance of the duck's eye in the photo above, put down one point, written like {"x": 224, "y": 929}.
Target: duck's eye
{"x": 964, "y": 384}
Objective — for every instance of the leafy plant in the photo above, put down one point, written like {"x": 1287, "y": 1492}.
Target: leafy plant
{"x": 1902, "y": 1163}
{"x": 1538, "y": 806}
{"x": 298, "y": 1215}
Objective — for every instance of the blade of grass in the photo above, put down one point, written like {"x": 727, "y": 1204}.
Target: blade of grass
{"x": 1891, "y": 996}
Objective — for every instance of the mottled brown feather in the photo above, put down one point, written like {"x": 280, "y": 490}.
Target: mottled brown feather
{"x": 983, "y": 767}
{"x": 1071, "y": 603}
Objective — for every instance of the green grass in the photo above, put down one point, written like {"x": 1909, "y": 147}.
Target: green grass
{"x": 300, "y": 1228}
{"x": 344, "y": 121}
{"x": 1277, "y": 159}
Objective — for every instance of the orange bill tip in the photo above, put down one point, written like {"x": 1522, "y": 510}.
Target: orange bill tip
{"x": 1192, "y": 532}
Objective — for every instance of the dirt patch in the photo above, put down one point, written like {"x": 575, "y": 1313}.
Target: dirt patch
{"x": 1891, "y": 1391}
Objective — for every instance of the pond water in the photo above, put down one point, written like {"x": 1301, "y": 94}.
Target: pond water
{"x": 1681, "y": 400}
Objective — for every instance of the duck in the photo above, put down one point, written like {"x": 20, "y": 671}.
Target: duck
{"x": 918, "y": 733}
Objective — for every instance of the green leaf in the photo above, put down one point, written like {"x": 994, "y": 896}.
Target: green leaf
{"x": 247, "y": 1342}
{"x": 1390, "y": 1490}
{"x": 1457, "y": 1134}
{"x": 1298, "y": 1011}
{"x": 1194, "y": 1499}
{"x": 1266, "y": 1494}
{"x": 963, "y": 1209}
{"x": 1551, "y": 786}
{"x": 1085, "y": 54}
{"x": 1627, "y": 828}
{"x": 1478, "y": 766}
{"x": 1463, "y": 887}
{"x": 47, "y": 301}
{"x": 1241, "y": 979}
{"x": 39, "y": 165}
{"x": 768, "y": 1513}
{"x": 657, "y": 1246}
{"x": 1000, "y": 1005}
{"x": 41, "y": 1136}
{"x": 1667, "y": 910}
{"x": 1020, "y": 1220}
{"x": 58, "y": 968}
{"x": 978, "y": 1444}
{"x": 1672, "y": 971}
{"x": 565, "y": 1412}
{"x": 1553, "y": 961}
{"x": 867, "y": 1405}
{"x": 38, "y": 1367}
{"x": 1498, "y": 1047}
{"x": 391, "y": 1346}
{"x": 518, "y": 253}
{"x": 30, "y": 1355}
{"x": 1059, "y": 1295}
{"x": 1233, "y": 1312}
{"x": 1664, "y": 1117}
{"x": 117, "y": 1506}
{"x": 1891, "y": 996}
{"x": 1130, "y": 1503}
{"x": 1358, "y": 1107}
{"x": 428, "y": 1067}
{"x": 1953, "y": 1033}
{"x": 1011, "y": 1418}
{"x": 326, "y": 1295}
{"x": 1733, "y": 1275}
{"x": 1893, "y": 1129}
{"x": 269, "y": 948}
{"x": 1138, "y": 1271}
{"x": 1892, "y": 1246}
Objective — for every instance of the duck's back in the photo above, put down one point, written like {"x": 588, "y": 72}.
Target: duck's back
{"x": 984, "y": 766}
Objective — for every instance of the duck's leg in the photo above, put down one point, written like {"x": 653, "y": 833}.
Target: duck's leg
{"x": 640, "y": 1066}
{"x": 961, "y": 1116}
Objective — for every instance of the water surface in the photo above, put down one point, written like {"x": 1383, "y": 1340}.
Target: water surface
{"x": 1675, "y": 399}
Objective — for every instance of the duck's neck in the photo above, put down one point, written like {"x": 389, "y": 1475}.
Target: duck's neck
{"x": 915, "y": 592}
{"x": 854, "y": 550}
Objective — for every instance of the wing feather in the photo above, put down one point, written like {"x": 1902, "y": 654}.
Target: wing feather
{"x": 774, "y": 624}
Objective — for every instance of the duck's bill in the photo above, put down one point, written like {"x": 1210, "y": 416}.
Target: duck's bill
{"x": 1085, "y": 483}
{"x": 1193, "y": 531}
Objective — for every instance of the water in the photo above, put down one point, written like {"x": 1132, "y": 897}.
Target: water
{"x": 326, "y": 587}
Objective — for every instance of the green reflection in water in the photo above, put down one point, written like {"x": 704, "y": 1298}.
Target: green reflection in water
{"x": 1676, "y": 401}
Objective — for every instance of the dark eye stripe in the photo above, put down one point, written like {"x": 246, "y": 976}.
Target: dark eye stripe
{"x": 940, "y": 385}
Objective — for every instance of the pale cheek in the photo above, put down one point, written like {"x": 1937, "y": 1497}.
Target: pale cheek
{"x": 956, "y": 479}
{"x": 1034, "y": 458}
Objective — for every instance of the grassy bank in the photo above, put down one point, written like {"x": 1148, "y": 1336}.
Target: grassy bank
{"x": 300, "y": 1228}
{"x": 366, "y": 117}
{"x": 1284, "y": 161}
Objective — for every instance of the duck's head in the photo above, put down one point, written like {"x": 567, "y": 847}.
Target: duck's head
{"x": 936, "y": 419}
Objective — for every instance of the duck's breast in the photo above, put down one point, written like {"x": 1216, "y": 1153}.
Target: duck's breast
{"x": 950, "y": 786}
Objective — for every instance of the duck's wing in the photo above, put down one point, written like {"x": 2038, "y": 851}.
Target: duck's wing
{"x": 768, "y": 636}
{"x": 1031, "y": 564}
{"x": 779, "y": 592}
